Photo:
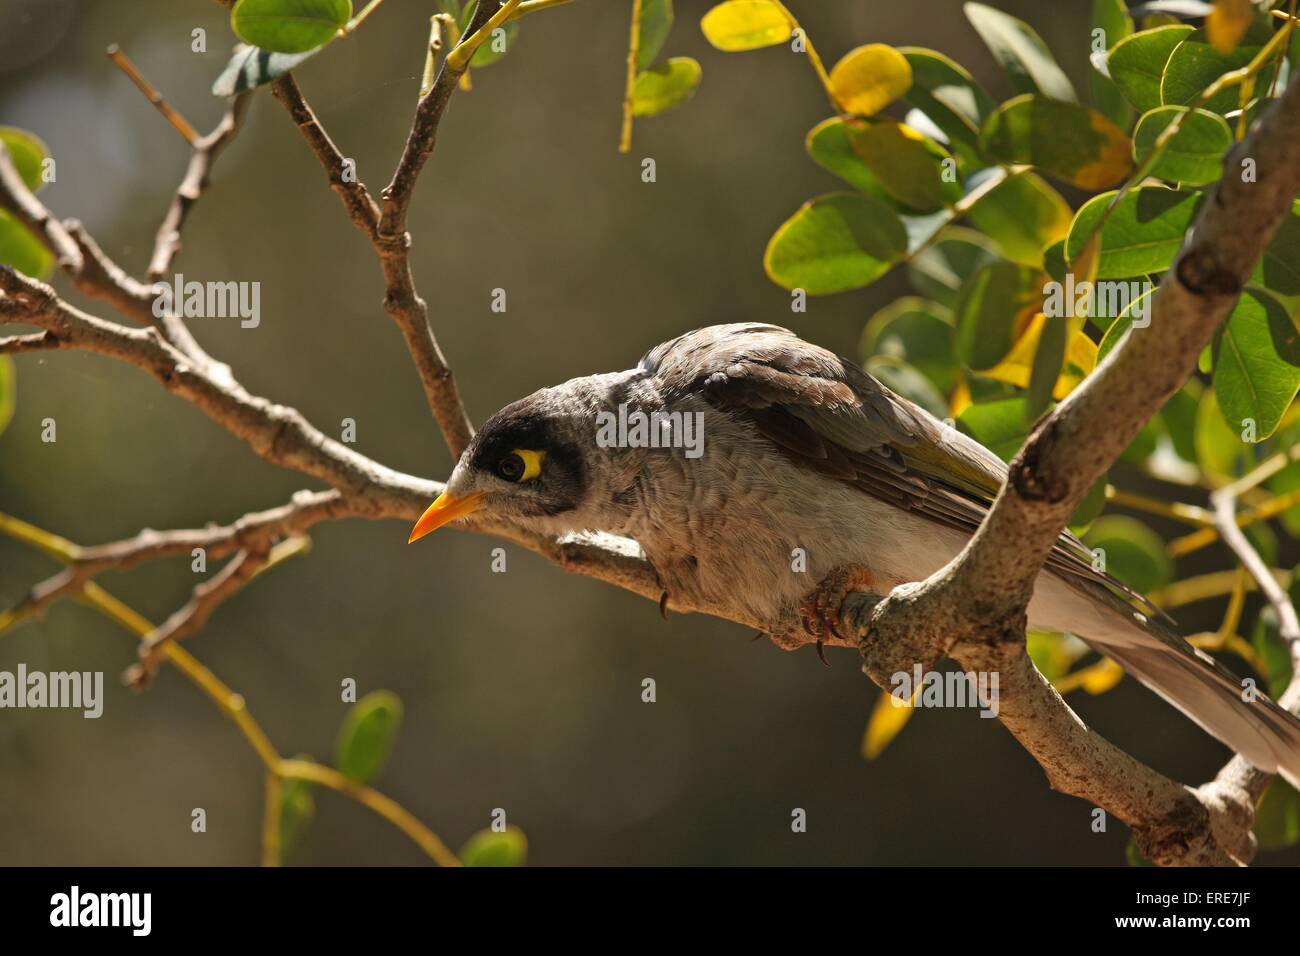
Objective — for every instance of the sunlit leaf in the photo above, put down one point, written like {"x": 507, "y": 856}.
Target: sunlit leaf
{"x": 1195, "y": 64}
{"x": 888, "y": 717}
{"x": 834, "y": 243}
{"x": 1228, "y": 22}
{"x": 22, "y": 251}
{"x": 656, "y": 22}
{"x": 907, "y": 164}
{"x": 1138, "y": 62}
{"x": 1072, "y": 142}
{"x": 1134, "y": 553}
{"x": 1023, "y": 215}
{"x": 1142, "y": 235}
{"x": 1277, "y": 818}
{"x": 1194, "y": 154}
{"x": 746, "y": 25}
{"x": 1112, "y": 18}
{"x": 1256, "y": 355}
{"x": 289, "y": 26}
{"x": 916, "y": 331}
{"x": 665, "y": 85}
{"x": 1021, "y": 51}
{"x": 250, "y": 67}
{"x": 368, "y": 734}
{"x": 995, "y": 306}
{"x": 950, "y": 97}
{"x": 490, "y": 848}
{"x": 869, "y": 78}
{"x": 29, "y": 154}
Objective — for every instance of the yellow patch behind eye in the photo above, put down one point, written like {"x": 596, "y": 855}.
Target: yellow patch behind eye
{"x": 532, "y": 462}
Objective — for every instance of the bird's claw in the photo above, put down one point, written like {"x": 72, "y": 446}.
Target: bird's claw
{"x": 820, "y": 610}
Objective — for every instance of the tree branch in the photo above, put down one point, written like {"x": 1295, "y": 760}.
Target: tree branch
{"x": 975, "y": 607}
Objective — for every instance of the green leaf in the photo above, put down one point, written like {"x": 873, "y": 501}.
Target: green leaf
{"x": 1279, "y": 269}
{"x": 1134, "y": 553}
{"x": 1133, "y": 856}
{"x": 834, "y": 243}
{"x": 1255, "y": 363}
{"x": 986, "y": 314}
{"x": 1195, "y": 64}
{"x": 1179, "y": 418}
{"x": 916, "y": 331}
{"x": 1142, "y": 235}
{"x": 908, "y": 381}
{"x": 1112, "y": 18}
{"x": 1072, "y": 142}
{"x": 869, "y": 78}
{"x": 8, "y": 391}
{"x": 1138, "y": 62}
{"x": 1054, "y": 260}
{"x": 1023, "y": 215}
{"x": 29, "y": 154}
{"x": 492, "y": 49}
{"x": 250, "y": 67}
{"x": 368, "y": 734}
{"x": 22, "y": 251}
{"x": 947, "y": 94}
{"x": 1277, "y": 818}
{"x": 1048, "y": 359}
{"x": 297, "y": 810}
{"x": 1122, "y": 323}
{"x": 907, "y": 164}
{"x": 489, "y": 848}
{"x": 289, "y": 26}
{"x": 1090, "y": 507}
{"x": 1021, "y": 51}
{"x": 1266, "y": 639}
{"x": 829, "y": 146}
{"x": 1219, "y": 450}
{"x": 665, "y": 85}
{"x": 940, "y": 270}
{"x": 656, "y": 21}
{"x": 1000, "y": 426}
{"x": 1195, "y": 153}
{"x": 746, "y": 25}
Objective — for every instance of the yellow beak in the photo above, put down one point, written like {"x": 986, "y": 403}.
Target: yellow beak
{"x": 445, "y": 509}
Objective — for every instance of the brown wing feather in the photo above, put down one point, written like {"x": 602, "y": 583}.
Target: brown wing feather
{"x": 832, "y": 417}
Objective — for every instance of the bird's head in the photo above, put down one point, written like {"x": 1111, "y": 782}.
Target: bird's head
{"x": 531, "y": 463}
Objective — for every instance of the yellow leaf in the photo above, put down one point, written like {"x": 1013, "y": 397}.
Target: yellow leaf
{"x": 746, "y": 25}
{"x": 1228, "y": 23}
{"x": 1101, "y": 676}
{"x": 1080, "y": 358}
{"x": 888, "y": 717}
{"x": 960, "y": 399}
{"x": 869, "y": 78}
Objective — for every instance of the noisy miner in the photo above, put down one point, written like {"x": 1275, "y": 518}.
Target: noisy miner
{"x": 758, "y": 444}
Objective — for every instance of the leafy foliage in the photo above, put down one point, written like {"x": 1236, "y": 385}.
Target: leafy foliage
{"x": 1022, "y": 291}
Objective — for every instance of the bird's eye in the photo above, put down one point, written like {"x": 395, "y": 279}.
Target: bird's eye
{"x": 511, "y": 467}
{"x": 521, "y": 464}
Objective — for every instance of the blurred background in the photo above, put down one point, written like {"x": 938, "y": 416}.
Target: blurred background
{"x": 522, "y": 691}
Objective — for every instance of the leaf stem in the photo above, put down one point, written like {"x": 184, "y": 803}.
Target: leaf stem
{"x": 633, "y": 51}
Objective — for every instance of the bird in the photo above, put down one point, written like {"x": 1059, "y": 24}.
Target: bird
{"x": 731, "y": 447}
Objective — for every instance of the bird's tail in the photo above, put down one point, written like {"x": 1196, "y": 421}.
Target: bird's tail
{"x": 1203, "y": 689}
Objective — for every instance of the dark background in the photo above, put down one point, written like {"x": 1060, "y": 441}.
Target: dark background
{"x": 522, "y": 690}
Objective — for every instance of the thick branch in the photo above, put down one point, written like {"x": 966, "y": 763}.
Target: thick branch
{"x": 978, "y": 601}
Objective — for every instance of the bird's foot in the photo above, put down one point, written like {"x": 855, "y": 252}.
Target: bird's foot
{"x": 820, "y": 609}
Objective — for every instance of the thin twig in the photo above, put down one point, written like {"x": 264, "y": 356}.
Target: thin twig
{"x": 178, "y": 122}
